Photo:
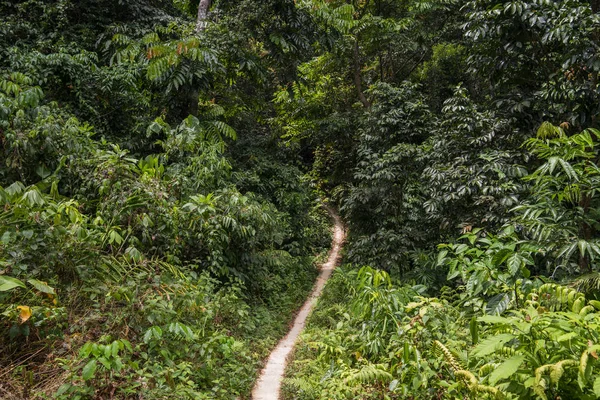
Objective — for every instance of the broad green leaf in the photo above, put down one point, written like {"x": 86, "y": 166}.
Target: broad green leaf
{"x": 5, "y": 239}
{"x": 154, "y": 127}
{"x": 506, "y": 369}
{"x": 15, "y": 188}
{"x": 514, "y": 264}
{"x": 491, "y": 344}
{"x": 104, "y": 361}
{"x": 89, "y": 370}
{"x": 85, "y": 350}
{"x": 498, "y": 304}
{"x": 567, "y": 336}
{"x": 126, "y": 344}
{"x": 115, "y": 349}
{"x": 63, "y": 389}
{"x": 33, "y": 197}
{"x": 8, "y": 283}
{"x": 494, "y": 319}
{"x": 441, "y": 257}
{"x": 41, "y": 286}
{"x": 501, "y": 256}
{"x": 461, "y": 248}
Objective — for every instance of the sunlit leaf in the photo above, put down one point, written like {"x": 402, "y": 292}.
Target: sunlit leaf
{"x": 41, "y": 286}
{"x": 24, "y": 313}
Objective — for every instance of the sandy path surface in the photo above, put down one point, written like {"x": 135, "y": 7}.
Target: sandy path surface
{"x": 269, "y": 383}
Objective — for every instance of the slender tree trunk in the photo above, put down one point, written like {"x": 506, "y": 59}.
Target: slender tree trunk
{"x": 192, "y": 102}
{"x": 586, "y": 231}
{"x": 202, "y": 15}
{"x": 596, "y": 37}
{"x": 358, "y": 77}
{"x": 594, "y": 119}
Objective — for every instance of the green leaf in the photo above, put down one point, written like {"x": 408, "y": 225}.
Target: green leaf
{"x": 506, "y": 369}
{"x": 15, "y": 188}
{"x": 104, "y": 361}
{"x": 501, "y": 256}
{"x": 8, "y": 283}
{"x": 63, "y": 389}
{"x": 89, "y": 370}
{"x": 567, "y": 336}
{"x": 568, "y": 169}
{"x": 442, "y": 257}
{"x": 491, "y": 344}
{"x": 85, "y": 350}
{"x": 597, "y": 387}
{"x": 41, "y": 286}
{"x": 115, "y": 349}
{"x": 514, "y": 264}
{"x": 474, "y": 329}
{"x": 154, "y": 127}
{"x": 5, "y": 239}
{"x": 33, "y": 197}
{"x": 498, "y": 304}
{"x": 494, "y": 319}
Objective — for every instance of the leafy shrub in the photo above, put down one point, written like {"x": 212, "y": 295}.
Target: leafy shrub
{"x": 388, "y": 341}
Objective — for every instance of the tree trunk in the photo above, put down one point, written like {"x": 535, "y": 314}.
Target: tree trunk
{"x": 192, "y": 101}
{"x": 586, "y": 231}
{"x": 358, "y": 77}
{"x": 202, "y": 15}
{"x": 595, "y": 5}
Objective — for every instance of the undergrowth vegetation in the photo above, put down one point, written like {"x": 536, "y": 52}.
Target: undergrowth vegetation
{"x": 466, "y": 168}
{"x": 372, "y": 338}
{"x": 144, "y": 252}
{"x": 156, "y": 276}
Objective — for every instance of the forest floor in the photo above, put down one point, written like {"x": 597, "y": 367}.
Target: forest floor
{"x": 269, "y": 383}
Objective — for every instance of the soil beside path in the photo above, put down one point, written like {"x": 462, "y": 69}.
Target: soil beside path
{"x": 269, "y": 384}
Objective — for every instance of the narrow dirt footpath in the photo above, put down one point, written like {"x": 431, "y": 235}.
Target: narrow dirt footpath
{"x": 269, "y": 384}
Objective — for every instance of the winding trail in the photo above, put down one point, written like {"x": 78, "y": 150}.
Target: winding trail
{"x": 268, "y": 385}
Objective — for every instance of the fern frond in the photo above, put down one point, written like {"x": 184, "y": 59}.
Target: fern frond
{"x": 559, "y": 297}
{"x": 302, "y": 386}
{"x": 487, "y": 369}
{"x": 369, "y": 374}
{"x": 556, "y": 371}
{"x": 559, "y": 369}
{"x": 474, "y": 387}
{"x": 490, "y": 390}
{"x": 583, "y": 363}
{"x": 539, "y": 383}
{"x": 467, "y": 377}
{"x": 587, "y": 283}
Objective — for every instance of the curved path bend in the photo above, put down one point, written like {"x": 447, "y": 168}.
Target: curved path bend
{"x": 268, "y": 385}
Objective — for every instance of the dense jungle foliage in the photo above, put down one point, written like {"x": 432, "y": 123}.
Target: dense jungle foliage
{"x": 164, "y": 165}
